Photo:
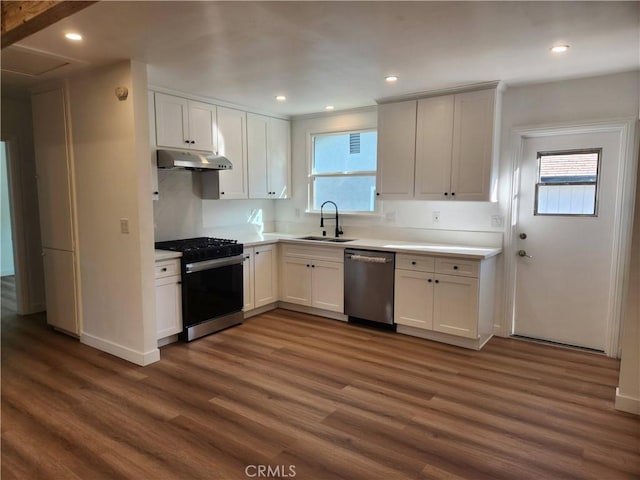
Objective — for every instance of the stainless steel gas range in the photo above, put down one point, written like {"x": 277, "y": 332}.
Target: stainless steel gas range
{"x": 212, "y": 296}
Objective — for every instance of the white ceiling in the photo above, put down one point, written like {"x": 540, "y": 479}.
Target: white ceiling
{"x": 338, "y": 53}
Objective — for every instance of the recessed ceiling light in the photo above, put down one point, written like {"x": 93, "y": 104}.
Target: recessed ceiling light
{"x": 76, "y": 37}
{"x": 281, "y": 98}
{"x": 559, "y": 48}
{"x": 391, "y": 78}
{"x": 329, "y": 107}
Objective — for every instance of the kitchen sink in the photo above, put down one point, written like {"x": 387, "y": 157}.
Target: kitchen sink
{"x": 327, "y": 239}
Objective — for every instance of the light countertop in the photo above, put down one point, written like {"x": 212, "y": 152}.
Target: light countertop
{"x": 376, "y": 244}
{"x": 252, "y": 240}
{"x": 166, "y": 255}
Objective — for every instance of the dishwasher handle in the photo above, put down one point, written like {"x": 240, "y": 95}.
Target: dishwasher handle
{"x": 369, "y": 259}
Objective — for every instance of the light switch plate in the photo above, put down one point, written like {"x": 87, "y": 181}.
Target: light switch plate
{"x": 124, "y": 225}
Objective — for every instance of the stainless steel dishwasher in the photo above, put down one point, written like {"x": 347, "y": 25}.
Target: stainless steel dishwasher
{"x": 368, "y": 286}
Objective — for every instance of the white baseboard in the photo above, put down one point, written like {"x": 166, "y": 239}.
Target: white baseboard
{"x": 259, "y": 310}
{"x": 139, "y": 358}
{"x": 627, "y": 404}
{"x": 314, "y": 311}
{"x": 474, "y": 344}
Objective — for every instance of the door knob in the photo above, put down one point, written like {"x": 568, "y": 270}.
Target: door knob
{"x": 523, "y": 236}
{"x": 523, "y": 253}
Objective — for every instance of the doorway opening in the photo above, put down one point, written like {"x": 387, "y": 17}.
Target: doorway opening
{"x": 7, "y": 263}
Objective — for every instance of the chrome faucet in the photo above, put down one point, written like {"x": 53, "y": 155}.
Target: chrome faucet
{"x": 338, "y": 229}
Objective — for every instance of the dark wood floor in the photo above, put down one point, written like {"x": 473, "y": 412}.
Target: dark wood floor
{"x": 312, "y": 397}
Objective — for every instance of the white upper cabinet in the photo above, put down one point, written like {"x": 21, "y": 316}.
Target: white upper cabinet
{"x": 259, "y": 147}
{"x": 172, "y": 121}
{"x": 433, "y": 147}
{"x": 202, "y": 126}
{"x": 473, "y": 136}
{"x": 269, "y": 157}
{"x": 232, "y": 143}
{"x": 257, "y": 140}
{"x": 279, "y": 159}
{"x": 448, "y": 152}
{"x": 396, "y": 150}
{"x": 182, "y": 123}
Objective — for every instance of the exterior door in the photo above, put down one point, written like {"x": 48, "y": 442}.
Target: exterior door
{"x": 565, "y": 237}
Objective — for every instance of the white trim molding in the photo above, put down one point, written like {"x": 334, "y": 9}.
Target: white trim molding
{"x": 627, "y": 404}
{"x": 126, "y": 353}
{"x": 623, "y": 222}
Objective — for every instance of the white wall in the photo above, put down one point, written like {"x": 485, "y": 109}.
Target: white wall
{"x": 17, "y": 132}
{"x": 113, "y": 182}
{"x": 180, "y": 211}
{"x": 395, "y": 219}
{"x": 6, "y": 241}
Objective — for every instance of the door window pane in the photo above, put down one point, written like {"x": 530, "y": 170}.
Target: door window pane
{"x": 567, "y": 183}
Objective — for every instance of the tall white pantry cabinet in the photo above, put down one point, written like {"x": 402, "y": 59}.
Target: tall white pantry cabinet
{"x": 54, "y": 170}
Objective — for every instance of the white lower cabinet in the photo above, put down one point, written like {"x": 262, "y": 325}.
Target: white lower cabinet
{"x": 413, "y": 299}
{"x": 260, "y": 276}
{"x": 313, "y": 277}
{"x": 446, "y": 298}
{"x": 168, "y": 298}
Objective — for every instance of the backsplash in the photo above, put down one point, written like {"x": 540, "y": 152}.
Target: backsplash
{"x": 180, "y": 212}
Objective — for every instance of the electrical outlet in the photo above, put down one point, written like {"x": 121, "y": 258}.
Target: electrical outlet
{"x": 124, "y": 225}
{"x": 435, "y": 217}
{"x": 497, "y": 220}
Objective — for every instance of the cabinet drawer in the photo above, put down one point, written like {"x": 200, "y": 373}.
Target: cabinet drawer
{"x": 167, "y": 268}
{"x": 456, "y": 266}
{"x": 418, "y": 263}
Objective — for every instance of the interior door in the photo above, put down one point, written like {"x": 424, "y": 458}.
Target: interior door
{"x": 565, "y": 239}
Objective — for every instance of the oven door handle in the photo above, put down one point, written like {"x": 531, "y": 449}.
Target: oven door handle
{"x": 210, "y": 264}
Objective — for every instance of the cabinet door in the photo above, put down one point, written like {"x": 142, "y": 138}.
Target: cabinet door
{"x": 413, "y": 300}
{"x": 266, "y": 275}
{"x": 434, "y": 134}
{"x": 60, "y": 290}
{"x": 202, "y": 126}
{"x": 232, "y": 140}
{"x": 257, "y": 134}
{"x": 248, "y": 279}
{"x": 327, "y": 285}
{"x": 472, "y": 145}
{"x": 152, "y": 143}
{"x": 168, "y": 306}
{"x": 172, "y": 121}
{"x": 396, "y": 150}
{"x": 279, "y": 164}
{"x": 455, "y": 305}
{"x": 53, "y": 169}
{"x": 296, "y": 280}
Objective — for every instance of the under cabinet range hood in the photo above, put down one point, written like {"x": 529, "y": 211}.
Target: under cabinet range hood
{"x": 185, "y": 159}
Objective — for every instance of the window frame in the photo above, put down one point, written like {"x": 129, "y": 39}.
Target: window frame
{"x": 596, "y": 184}
{"x": 356, "y": 173}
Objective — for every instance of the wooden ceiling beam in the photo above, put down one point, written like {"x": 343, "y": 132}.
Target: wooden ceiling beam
{"x": 19, "y": 19}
